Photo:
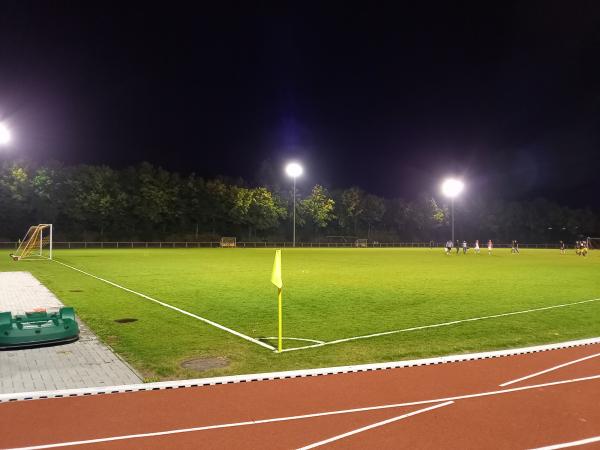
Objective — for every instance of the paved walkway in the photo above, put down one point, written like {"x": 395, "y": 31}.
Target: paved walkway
{"x": 84, "y": 363}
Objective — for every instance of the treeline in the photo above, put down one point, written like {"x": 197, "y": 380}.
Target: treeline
{"x": 148, "y": 203}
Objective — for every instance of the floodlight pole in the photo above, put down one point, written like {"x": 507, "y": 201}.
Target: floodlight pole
{"x": 294, "y": 215}
{"x": 452, "y": 203}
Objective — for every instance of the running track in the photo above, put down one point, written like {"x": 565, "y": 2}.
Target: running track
{"x": 471, "y": 404}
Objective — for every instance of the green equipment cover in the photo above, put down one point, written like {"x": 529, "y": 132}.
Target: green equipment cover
{"x": 38, "y": 328}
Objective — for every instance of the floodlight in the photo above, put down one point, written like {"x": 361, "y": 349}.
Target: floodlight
{"x": 4, "y": 134}
{"x": 452, "y": 187}
{"x": 293, "y": 170}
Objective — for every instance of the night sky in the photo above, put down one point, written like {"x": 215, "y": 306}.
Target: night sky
{"x": 390, "y": 99}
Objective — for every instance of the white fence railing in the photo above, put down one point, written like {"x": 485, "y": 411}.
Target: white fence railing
{"x": 257, "y": 244}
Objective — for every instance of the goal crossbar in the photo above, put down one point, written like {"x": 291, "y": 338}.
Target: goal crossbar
{"x": 36, "y": 240}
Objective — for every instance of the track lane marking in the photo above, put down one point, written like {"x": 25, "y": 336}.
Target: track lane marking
{"x": 182, "y": 311}
{"x": 437, "y": 325}
{"x": 374, "y": 425}
{"x": 560, "y": 366}
{"x": 570, "y": 444}
{"x": 305, "y": 416}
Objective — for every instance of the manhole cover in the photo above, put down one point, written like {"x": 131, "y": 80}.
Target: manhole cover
{"x": 201, "y": 364}
{"x": 126, "y": 320}
{"x": 75, "y": 290}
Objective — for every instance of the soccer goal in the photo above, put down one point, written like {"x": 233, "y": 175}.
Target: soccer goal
{"x": 593, "y": 243}
{"x": 227, "y": 242}
{"x": 37, "y": 243}
{"x": 361, "y": 243}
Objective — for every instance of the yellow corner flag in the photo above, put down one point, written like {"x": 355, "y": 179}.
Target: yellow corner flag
{"x": 276, "y": 280}
{"x": 276, "y": 274}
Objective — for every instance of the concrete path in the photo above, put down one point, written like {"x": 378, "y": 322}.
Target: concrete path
{"x": 84, "y": 363}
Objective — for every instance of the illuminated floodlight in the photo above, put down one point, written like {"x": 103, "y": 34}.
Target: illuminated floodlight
{"x": 5, "y": 136}
{"x": 452, "y": 187}
{"x": 293, "y": 170}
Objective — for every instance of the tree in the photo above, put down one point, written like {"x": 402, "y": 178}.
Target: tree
{"x": 15, "y": 196}
{"x": 373, "y": 210}
{"x": 352, "y": 208}
{"x": 195, "y": 199}
{"x": 154, "y": 194}
{"x": 219, "y": 202}
{"x": 95, "y": 198}
{"x": 255, "y": 208}
{"x": 318, "y": 207}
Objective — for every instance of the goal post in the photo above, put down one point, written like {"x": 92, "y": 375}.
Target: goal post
{"x": 228, "y": 242}
{"x": 37, "y": 243}
{"x": 361, "y": 243}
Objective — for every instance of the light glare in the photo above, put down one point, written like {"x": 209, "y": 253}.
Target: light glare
{"x": 4, "y": 134}
{"x": 293, "y": 170}
{"x": 452, "y": 187}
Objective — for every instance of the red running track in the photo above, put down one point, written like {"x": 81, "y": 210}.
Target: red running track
{"x": 452, "y": 405}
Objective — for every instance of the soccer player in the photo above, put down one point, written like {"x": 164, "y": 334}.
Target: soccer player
{"x": 583, "y": 248}
{"x": 562, "y": 248}
{"x": 515, "y": 247}
{"x": 464, "y": 247}
{"x": 490, "y": 247}
{"x": 477, "y": 246}
{"x": 457, "y": 246}
{"x": 448, "y": 247}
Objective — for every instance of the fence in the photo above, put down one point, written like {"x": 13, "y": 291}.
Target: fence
{"x": 263, "y": 244}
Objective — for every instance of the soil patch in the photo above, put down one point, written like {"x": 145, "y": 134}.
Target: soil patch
{"x": 202, "y": 364}
{"x": 126, "y": 320}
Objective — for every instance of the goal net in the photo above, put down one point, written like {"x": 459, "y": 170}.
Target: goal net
{"x": 361, "y": 243}
{"x": 593, "y": 243}
{"x": 227, "y": 242}
{"x": 37, "y": 243}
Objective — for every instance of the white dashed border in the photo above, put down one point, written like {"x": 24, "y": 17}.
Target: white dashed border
{"x": 288, "y": 374}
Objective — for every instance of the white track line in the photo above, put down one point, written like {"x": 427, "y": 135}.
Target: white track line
{"x": 370, "y": 427}
{"x": 306, "y": 416}
{"x": 182, "y": 311}
{"x": 549, "y": 370}
{"x": 231, "y": 379}
{"x": 443, "y": 324}
{"x": 570, "y": 444}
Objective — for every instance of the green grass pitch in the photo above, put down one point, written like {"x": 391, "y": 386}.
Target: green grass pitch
{"x": 329, "y": 294}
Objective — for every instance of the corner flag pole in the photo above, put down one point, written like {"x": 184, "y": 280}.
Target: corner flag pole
{"x": 276, "y": 280}
{"x": 280, "y": 343}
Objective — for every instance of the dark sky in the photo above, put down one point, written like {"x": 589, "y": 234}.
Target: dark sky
{"x": 387, "y": 98}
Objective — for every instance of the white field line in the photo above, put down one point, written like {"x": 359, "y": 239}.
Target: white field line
{"x": 370, "y": 427}
{"x": 570, "y": 444}
{"x": 182, "y": 311}
{"x": 295, "y": 339}
{"x": 304, "y": 416}
{"x": 437, "y": 325}
{"x": 269, "y": 376}
{"x": 560, "y": 366}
